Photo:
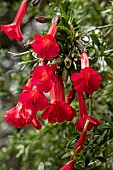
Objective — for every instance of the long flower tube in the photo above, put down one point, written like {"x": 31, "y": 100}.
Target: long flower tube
{"x": 13, "y": 30}
{"x": 88, "y": 80}
{"x": 71, "y": 95}
{"x": 93, "y": 122}
{"x": 58, "y": 110}
{"x": 83, "y": 54}
{"x": 80, "y": 142}
{"x": 53, "y": 28}
{"x": 77, "y": 149}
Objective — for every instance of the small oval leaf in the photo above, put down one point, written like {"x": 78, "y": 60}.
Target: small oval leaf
{"x": 41, "y": 166}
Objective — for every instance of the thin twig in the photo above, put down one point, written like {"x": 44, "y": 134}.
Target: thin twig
{"x": 101, "y": 27}
{"x": 29, "y": 61}
{"x": 108, "y": 32}
{"x": 108, "y": 51}
{"x": 104, "y": 26}
{"x": 19, "y": 54}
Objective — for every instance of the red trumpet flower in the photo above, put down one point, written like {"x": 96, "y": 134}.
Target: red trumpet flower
{"x": 13, "y": 30}
{"x": 24, "y": 113}
{"x": 20, "y": 116}
{"x": 93, "y": 122}
{"x": 32, "y": 98}
{"x": 43, "y": 77}
{"x": 88, "y": 80}
{"x": 58, "y": 110}
{"x": 46, "y": 46}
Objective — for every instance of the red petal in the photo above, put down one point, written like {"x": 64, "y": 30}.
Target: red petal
{"x": 93, "y": 122}
{"x": 58, "y": 111}
{"x": 68, "y": 166}
{"x": 36, "y": 123}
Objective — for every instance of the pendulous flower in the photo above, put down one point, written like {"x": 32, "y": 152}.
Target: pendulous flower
{"x": 24, "y": 113}
{"x": 88, "y": 80}
{"x": 46, "y": 46}
{"x": 93, "y": 122}
{"x": 13, "y": 30}
{"x": 58, "y": 110}
{"x": 20, "y": 116}
{"x": 43, "y": 77}
{"x": 32, "y": 98}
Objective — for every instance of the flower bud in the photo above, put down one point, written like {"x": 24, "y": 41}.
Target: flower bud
{"x": 43, "y": 19}
{"x": 65, "y": 74}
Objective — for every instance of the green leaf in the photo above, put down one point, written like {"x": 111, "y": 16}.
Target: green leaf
{"x": 88, "y": 157}
{"x": 91, "y": 52}
{"x": 65, "y": 155}
{"x": 95, "y": 39}
{"x": 41, "y": 166}
{"x": 20, "y": 153}
{"x": 105, "y": 152}
{"x": 64, "y": 29}
{"x": 25, "y": 57}
{"x": 102, "y": 49}
{"x": 20, "y": 146}
{"x": 101, "y": 159}
{"x": 109, "y": 62}
{"x": 65, "y": 22}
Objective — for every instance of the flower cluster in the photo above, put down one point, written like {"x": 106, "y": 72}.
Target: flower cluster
{"x": 87, "y": 81}
{"x": 45, "y": 93}
{"x": 44, "y": 79}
